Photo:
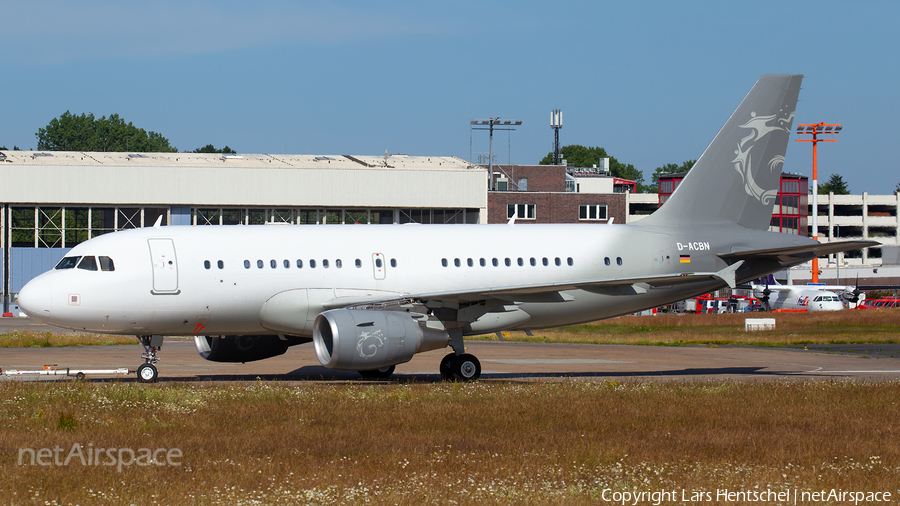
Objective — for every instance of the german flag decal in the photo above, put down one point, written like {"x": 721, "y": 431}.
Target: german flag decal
{"x": 685, "y": 259}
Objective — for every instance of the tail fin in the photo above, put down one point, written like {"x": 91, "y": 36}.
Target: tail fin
{"x": 737, "y": 177}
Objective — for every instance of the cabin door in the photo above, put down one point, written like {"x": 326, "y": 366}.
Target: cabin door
{"x": 165, "y": 266}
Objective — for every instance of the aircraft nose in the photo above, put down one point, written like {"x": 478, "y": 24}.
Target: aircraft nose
{"x": 34, "y": 298}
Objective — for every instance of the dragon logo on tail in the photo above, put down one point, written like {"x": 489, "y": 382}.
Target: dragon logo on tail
{"x": 760, "y": 127}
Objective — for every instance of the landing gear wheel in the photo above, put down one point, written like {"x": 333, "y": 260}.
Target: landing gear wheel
{"x": 465, "y": 367}
{"x": 383, "y": 372}
{"x": 444, "y": 368}
{"x": 147, "y": 373}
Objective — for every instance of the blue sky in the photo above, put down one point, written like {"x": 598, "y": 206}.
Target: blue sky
{"x": 651, "y": 82}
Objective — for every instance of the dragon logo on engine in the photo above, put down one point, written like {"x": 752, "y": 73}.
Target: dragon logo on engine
{"x": 369, "y": 343}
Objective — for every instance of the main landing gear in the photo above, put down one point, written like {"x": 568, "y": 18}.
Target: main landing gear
{"x": 464, "y": 367}
{"x": 459, "y": 365}
{"x": 147, "y": 372}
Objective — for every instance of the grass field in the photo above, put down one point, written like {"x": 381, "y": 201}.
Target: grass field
{"x": 479, "y": 443}
{"x": 830, "y": 327}
{"x": 30, "y": 339}
{"x": 487, "y": 442}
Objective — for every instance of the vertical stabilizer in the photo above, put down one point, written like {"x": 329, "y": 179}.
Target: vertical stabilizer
{"x": 737, "y": 177}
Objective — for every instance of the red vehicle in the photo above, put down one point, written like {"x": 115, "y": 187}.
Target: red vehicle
{"x": 879, "y": 303}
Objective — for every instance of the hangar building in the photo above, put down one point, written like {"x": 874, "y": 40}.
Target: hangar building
{"x": 52, "y": 201}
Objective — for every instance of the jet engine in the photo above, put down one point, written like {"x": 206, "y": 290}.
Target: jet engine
{"x": 362, "y": 339}
{"x": 244, "y": 348}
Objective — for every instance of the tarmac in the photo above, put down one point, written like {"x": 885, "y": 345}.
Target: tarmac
{"x": 500, "y": 361}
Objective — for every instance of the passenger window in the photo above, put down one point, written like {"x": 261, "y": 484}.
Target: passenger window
{"x": 378, "y": 263}
{"x": 338, "y": 263}
{"x": 299, "y": 263}
{"x": 88, "y": 264}
{"x": 507, "y": 261}
{"x": 482, "y": 262}
{"x": 393, "y": 262}
{"x": 246, "y": 264}
{"x": 618, "y": 260}
{"x": 206, "y": 264}
{"x": 287, "y": 264}
{"x": 273, "y": 263}
{"x": 558, "y": 261}
{"x": 470, "y": 262}
{"x": 259, "y": 264}
{"x": 220, "y": 264}
{"x": 444, "y": 262}
{"x": 325, "y": 263}
{"x": 545, "y": 262}
{"x": 68, "y": 263}
{"x": 312, "y": 264}
{"x": 570, "y": 261}
{"x": 520, "y": 262}
{"x": 106, "y": 264}
{"x": 495, "y": 262}
{"x": 606, "y": 260}
{"x": 359, "y": 263}
{"x": 533, "y": 262}
{"x": 456, "y": 262}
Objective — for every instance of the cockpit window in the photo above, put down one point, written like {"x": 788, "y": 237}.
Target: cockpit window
{"x": 68, "y": 263}
{"x": 106, "y": 264}
{"x": 88, "y": 264}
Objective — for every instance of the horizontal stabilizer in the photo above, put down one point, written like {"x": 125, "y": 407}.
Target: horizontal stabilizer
{"x": 792, "y": 255}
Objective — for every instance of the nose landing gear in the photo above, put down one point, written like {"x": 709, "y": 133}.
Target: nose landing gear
{"x": 147, "y": 372}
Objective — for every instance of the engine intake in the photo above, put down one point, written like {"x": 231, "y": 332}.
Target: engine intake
{"x": 360, "y": 339}
{"x": 244, "y": 348}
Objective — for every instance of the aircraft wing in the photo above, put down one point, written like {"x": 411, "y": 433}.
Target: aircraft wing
{"x": 550, "y": 292}
{"x": 793, "y": 255}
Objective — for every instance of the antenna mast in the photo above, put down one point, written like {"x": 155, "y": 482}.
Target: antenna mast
{"x": 556, "y": 121}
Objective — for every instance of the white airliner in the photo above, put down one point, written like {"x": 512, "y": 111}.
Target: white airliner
{"x": 807, "y": 297}
{"x": 371, "y": 297}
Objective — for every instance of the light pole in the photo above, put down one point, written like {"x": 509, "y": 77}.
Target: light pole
{"x": 816, "y": 129}
{"x": 493, "y": 124}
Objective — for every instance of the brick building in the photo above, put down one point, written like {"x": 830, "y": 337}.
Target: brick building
{"x": 540, "y": 194}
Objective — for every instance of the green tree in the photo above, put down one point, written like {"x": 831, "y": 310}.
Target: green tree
{"x": 836, "y": 185}
{"x": 209, "y": 148}
{"x": 577, "y": 155}
{"x": 669, "y": 168}
{"x": 86, "y": 133}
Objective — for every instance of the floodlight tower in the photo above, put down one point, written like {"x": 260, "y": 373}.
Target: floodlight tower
{"x": 816, "y": 129}
{"x": 493, "y": 124}
{"x": 556, "y": 123}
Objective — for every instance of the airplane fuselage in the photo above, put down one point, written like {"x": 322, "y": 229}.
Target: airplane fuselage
{"x": 276, "y": 279}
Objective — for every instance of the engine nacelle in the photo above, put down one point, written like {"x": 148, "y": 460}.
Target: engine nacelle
{"x": 244, "y": 348}
{"x": 362, "y": 340}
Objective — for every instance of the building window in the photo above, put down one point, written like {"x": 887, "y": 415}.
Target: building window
{"x": 520, "y": 211}
{"x": 592, "y": 212}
